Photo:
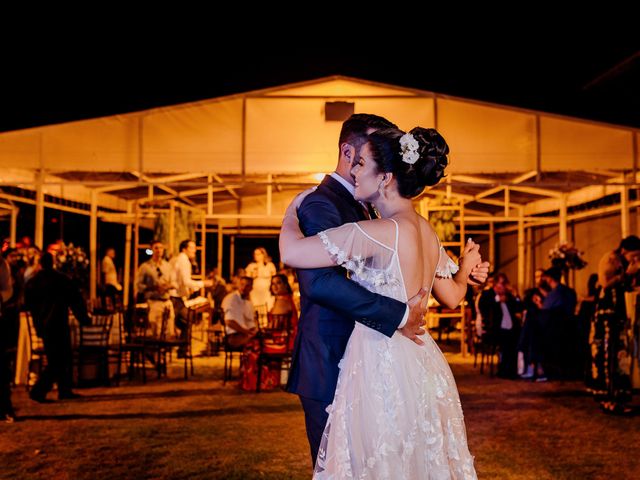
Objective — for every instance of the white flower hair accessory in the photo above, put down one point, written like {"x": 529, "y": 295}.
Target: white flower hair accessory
{"x": 409, "y": 149}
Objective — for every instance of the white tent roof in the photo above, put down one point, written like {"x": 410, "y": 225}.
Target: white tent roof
{"x": 280, "y": 137}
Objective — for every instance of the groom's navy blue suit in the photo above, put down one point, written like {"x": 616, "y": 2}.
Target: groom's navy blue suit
{"x": 330, "y": 304}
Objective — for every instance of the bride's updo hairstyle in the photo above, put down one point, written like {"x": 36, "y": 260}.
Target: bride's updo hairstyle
{"x": 417, "y": 159}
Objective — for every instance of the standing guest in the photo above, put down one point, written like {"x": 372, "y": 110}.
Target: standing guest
{"x": 6, "y": 291}
{"x": 261, "y": 270}
{"x": 186, "y": 286}
{"x": 610, "y": 379}
{"x": 48, "y": 296}
{"x": 154, "y": 284}
{"x": 539, "y": 283}
{"x": 112, "y": 287}
{"x": 533, "y": 336}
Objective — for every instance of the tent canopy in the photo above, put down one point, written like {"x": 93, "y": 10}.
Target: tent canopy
{"x": 249, "y": 153}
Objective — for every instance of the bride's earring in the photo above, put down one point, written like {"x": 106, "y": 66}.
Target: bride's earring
{"x": 381, "y": 190}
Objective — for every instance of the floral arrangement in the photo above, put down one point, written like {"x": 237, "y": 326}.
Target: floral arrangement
{"x": 442, "y": 220}
{"x": 567, "y": 256}
{"x": 72, "y": 261}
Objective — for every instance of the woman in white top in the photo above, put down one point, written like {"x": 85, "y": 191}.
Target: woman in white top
{"x": 261, "y": 270}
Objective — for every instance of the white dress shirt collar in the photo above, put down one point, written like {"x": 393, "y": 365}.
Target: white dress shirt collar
{"x": 350, "y": 188}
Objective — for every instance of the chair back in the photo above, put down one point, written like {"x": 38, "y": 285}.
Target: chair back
{"x": 278, "y": 328}
{"x": 35, "y": 342}
{"x": 96, "y": 335}
{"x": 260, "y": 315}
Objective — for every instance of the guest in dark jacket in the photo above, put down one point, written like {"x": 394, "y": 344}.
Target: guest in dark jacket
{"x": 500, "y": 308}
{"x": 563, "y": 339}
{"x": 48, "y": 296}
{"x": 6, "y": 290}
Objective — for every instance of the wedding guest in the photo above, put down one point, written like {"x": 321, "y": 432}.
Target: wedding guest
{"x": 48, "y": 296}
{"x": 186, "y": 285}
{"x": 111, "y": 286}
{"x": 7, "y": 413}
{"x": 154, "y": 284}
{"x": 261, "y": 270}
{"x": 283, "y": 304}
{"x": 533, "y": 335}
{"x": 240, "y": 325}
{"x": 610, "y": 379}
{"x": 500, "y": 308}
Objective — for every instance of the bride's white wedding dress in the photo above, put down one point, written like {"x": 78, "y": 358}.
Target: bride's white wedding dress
{"x": 396, "y": 413}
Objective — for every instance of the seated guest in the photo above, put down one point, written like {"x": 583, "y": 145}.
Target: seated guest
{"x": 284, "y": 303}
{"x": 270, "y": 376}
{"x": 240, "y": 325}
{"x": 500, "y": 309}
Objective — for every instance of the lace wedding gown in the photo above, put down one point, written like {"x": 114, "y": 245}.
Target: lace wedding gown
{"x": 396, "y": 413}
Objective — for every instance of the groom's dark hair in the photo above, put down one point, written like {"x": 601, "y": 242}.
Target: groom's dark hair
{"x": 354, "y": 128}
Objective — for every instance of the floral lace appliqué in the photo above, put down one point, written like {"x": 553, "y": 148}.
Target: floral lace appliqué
{"x": 446, "y": 268}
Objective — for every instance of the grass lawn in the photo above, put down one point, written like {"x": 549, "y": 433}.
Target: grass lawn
{"x": 199, "y": 429}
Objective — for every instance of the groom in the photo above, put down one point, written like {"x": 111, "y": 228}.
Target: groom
{"x": 330, "y": 302}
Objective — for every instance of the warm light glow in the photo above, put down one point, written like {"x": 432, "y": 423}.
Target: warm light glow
{"x": 318, "y": 176}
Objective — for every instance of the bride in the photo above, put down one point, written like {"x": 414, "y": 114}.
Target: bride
{"x": 396, "y": 412}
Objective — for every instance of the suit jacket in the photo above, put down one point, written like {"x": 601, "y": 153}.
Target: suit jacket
{"x": 491, "y": 312}
{"x": 330, "y": 302}
{"x": 48, "y": 296}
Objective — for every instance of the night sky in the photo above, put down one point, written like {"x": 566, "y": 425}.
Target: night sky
{"x": 591, "y": 75}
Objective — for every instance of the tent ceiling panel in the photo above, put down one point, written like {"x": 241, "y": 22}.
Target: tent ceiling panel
{"x": 196, "y": 138}
{"x": 21, "y": 148}
{"x": 570, "y": 145}
{"x": 487, "y": 139}
{"x": 293, "y": 136}
{"x": 340, "y": 87}
{"x": 102, "y": 144}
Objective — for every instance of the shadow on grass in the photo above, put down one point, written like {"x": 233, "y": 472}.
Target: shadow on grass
{"x": 213, "y": 412}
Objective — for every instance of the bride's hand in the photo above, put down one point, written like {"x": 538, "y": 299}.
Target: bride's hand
{"x": 470, "y": 256}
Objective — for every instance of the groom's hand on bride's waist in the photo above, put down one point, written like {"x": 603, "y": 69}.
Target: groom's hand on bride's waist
{"x": 416, "y": 319}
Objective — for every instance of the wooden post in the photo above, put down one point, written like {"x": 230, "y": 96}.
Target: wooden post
{"x": 492, "y": 246}
{"x": 172, "y": 229}
{"x": 521, "y": 249}
{"x": 220, "y": 240}
{"x": 269, "y": 193}
{"x": 136, "y": 249}
{"x": 14, "y": 227}
{"x": 203, "y": 251}
{"x": 563, "y": 219}
{"x": 93, "y": 246}
{"x": 625, "y": 225}
{"x": 126, "y": 281}
{"x": 38, "y": 237}
{"x": 232, "y": 255}
{"x": 463, "y": 328}
{"x": 210, "y": 196}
